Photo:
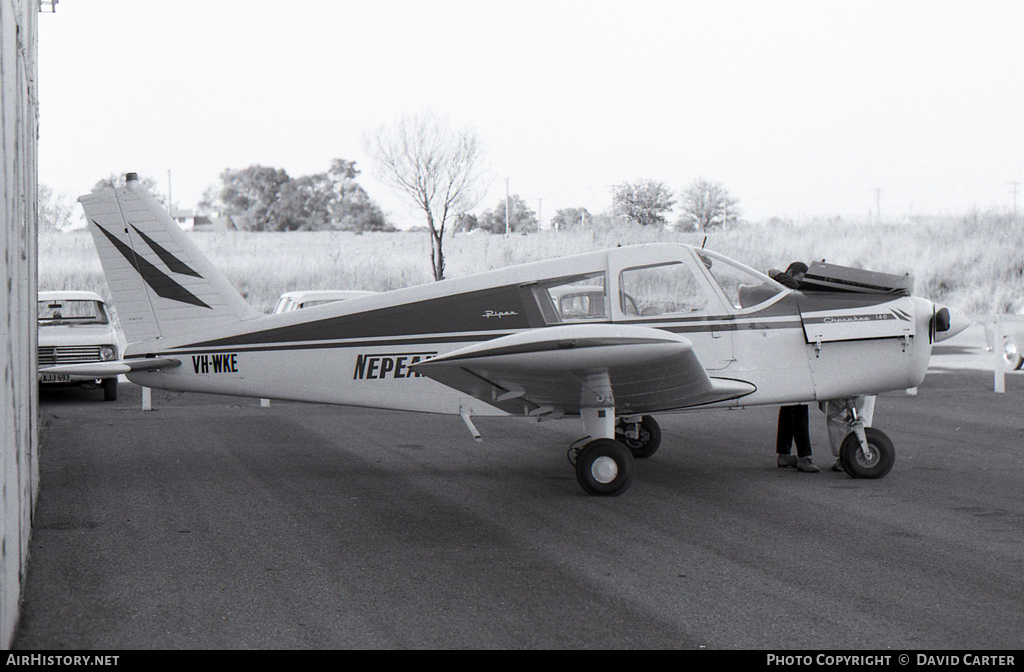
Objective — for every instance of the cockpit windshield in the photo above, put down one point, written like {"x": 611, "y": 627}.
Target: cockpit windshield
{"x": 743, "y": 286}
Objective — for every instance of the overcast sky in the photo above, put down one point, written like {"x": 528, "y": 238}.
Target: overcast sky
{"x": 797, "y": 108}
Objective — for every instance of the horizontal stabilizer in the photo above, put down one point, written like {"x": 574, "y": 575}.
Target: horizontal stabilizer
{"x": 115, "y": 368}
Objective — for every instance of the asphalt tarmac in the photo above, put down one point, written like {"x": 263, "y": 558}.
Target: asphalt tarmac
{"x": 213, "y": 523}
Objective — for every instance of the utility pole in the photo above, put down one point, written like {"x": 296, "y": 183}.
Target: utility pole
{"x": 540, "y": 217}
{"x": 1014, "y": 185}
{"x": 612, "y": 187}
{"x": 506, "y": 209}
{"x": 878, "y": 205}
{"x": 170, "y": 208}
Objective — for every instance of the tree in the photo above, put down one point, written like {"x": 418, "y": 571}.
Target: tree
{"x": 267, "y": 199}
{"x": 54, "y": 210}
{"x": 465, "y": 222}
{"x": 706, "y": 205}
{"x": 301, "y": 204}
{"x": 521, "y": 219}
{"x": 567, "y": 218}
{"x": 643, "y": 202}
{"x": 250, "y": 193}
{"x": 351, "y": 208}
{"x": 435, "y": 167}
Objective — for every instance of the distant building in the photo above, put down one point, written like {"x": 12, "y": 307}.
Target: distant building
{"x": 184, "y": 218}
{"x": 215, "y": 223}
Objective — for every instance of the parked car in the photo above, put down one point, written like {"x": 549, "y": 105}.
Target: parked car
{"x": 290, "y": 301}
{"x": 1012, "y": 328}
{"x": 75, "y": 327}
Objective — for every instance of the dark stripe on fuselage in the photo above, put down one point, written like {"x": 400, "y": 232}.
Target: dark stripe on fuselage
{"x": 503, "y": 309}
{"x": 461, "y": 313}
{"x": 694, "y": 327}
{"x": 462, "y": 318}
{"x": 812, "y": 302}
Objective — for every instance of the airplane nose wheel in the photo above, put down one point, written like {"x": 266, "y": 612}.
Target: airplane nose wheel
{"x": 642, "y": 438}
{"x": 604, "y": 467}
{"x": 876, "y": 463}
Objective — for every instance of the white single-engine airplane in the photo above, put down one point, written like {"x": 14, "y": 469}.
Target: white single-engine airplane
{"x": 611, "y": 337}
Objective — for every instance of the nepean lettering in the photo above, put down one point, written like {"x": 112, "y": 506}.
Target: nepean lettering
{"x": 393, "y": 366}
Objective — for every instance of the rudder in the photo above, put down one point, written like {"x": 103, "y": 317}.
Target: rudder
{"x": 161, "y": 284}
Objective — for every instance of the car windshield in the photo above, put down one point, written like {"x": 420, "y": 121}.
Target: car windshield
{"x": 64, "y": 311}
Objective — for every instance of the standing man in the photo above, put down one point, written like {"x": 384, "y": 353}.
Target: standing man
{"x": 793, "y": 420}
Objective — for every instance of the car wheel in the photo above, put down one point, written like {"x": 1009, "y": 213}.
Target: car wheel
{"x": 110, "y": 389}
{"x": 1012, "y": 356}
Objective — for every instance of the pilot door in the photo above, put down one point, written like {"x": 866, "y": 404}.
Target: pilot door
{"x": 673, "y": 295}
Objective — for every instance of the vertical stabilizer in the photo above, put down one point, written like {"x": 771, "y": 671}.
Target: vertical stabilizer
{"x": 161, "y": 283}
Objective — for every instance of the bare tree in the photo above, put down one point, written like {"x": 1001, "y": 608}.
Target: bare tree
{"x": 434, "y": 166}
{"x": 706, "y": 205}
{"x": 55, "y": 210}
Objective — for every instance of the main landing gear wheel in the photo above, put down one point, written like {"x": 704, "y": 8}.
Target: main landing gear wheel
{"x": 875, "y": 465}
{"x": 647, "y": 441}
{"x": 604, "y": 467}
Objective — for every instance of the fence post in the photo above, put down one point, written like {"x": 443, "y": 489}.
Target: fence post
{"x": 999, "y": 371}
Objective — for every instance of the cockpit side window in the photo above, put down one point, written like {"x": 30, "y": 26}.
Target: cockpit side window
{"x": 662, "y": 289}
{"x": 579, "y": 298}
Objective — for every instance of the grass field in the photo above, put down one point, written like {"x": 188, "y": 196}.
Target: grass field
{"x": 973, "y": 263}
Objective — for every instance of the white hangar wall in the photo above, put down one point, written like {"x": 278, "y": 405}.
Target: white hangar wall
{"x": 19, "y": 471}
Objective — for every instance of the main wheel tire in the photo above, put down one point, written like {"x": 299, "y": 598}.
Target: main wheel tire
{"x": 1012, "y": 356}
{"x": 883, "y": 454}
{"x": 110, "y": 389}
{"x": 647, "y": 443}
{"x": 604, "y": 468}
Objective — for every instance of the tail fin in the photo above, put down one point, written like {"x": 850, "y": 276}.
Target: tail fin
{"x": 161, "y": 283}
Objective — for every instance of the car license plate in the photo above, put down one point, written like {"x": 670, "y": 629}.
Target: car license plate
{"x": 54, "y": 378}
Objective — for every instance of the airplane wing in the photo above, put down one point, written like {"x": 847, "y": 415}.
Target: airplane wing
{"x": 556, "y": 370}
{"x": 114, "y": 368}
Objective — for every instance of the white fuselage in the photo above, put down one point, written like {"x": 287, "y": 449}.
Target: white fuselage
{"x": 359, "y": 352}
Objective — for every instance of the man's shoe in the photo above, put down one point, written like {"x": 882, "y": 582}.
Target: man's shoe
{"x": 787, "y": 461}
{"x": 838, "y": 466}
{"x": 805, "y": 464}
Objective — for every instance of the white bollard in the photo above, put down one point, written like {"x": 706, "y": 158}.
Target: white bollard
{"x": 997, "y": 357}
{"x": 147, "y": 399}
